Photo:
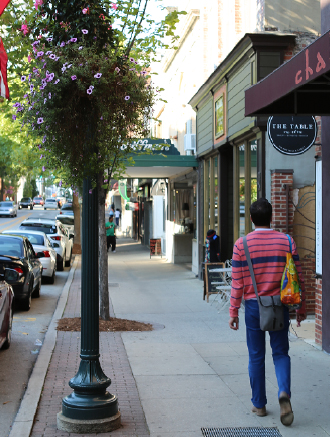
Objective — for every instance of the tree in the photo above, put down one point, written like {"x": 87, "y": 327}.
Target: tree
{"x": 89, "y": 92}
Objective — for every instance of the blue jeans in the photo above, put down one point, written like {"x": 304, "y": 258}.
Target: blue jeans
{"x": 256, "y": 344}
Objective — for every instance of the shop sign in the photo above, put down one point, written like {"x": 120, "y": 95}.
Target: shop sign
{"x": 163, "y": 146}
{"x": 292, "y": 135}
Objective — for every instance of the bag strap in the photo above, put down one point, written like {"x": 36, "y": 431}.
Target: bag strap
{"x": 248, "y": 259}
{"x": 289, "y": 242}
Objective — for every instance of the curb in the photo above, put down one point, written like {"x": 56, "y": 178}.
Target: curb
{"x": 24, "y": 419}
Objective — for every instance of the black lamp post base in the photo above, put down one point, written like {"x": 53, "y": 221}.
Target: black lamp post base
{"x": 88, "y": 426}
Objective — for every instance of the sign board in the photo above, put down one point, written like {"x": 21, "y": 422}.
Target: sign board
{"x": 292, "y": 135}
{"x": 213, "y": 278}
{"x": 155, "y": 246}
{"x": 161, "y": 146}
{"x": 318, "y": 217}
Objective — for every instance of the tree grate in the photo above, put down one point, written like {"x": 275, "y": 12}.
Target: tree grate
{"x": 241, "y": 432}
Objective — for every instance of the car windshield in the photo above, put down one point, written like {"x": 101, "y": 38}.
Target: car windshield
{"x": 51, "y": 200}
{"x": 42, "y": 227}
{"x": 25, "y": 199}
{"x": 6, "y": 203}
{"x": 67, "y": 206}
{"x": 37, "y": 198}
{"x": 66, "y": 220}
{"x": 11, "y": 246}
{"x": 33, "y": 238}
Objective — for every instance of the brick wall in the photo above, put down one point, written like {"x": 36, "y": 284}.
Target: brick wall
{"x": 281, "y": 221}
{"x": 308, "y": 270}
{"x": 318, "y": 311}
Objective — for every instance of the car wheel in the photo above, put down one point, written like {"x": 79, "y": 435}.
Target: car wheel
{"x": 52, "y": 278}
{"x": 8, "y": 336}
{"x": 31, "y": 207}
{"x": 36, "y": 292}
{"x": 45, "y": 209}
{"x": 68, "y": 263}
{"x": 60, "y": 264}
{"x": 26, "y": 304}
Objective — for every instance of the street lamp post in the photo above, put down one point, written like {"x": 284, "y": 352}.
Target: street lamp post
{"x": 90, "y": 408}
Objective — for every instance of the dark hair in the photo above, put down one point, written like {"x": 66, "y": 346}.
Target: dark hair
{"x": 261, "y": 212}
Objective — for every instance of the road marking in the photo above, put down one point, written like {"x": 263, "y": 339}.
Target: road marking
{"x": 14, "y": 222}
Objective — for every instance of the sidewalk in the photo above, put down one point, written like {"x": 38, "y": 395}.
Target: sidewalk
{"x": 191, "y": 371}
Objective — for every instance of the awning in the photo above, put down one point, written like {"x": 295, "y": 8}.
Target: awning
{"x": 300, "y": 86}
{"x": 160, "y": 166}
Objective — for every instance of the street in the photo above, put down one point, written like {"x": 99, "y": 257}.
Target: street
{"x": 29, "y": 329}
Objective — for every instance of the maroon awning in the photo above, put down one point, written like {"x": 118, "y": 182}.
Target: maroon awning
{"x": 300, "y": 86}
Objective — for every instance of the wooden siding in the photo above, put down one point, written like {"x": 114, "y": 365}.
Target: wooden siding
{"x": 205, "y": 128}
{"x": 237, "y": 84}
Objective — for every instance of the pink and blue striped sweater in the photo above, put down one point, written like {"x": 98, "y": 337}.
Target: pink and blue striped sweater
{"x": 268, "y": 249}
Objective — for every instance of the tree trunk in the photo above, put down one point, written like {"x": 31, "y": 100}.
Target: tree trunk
{"x": 77, "y": 239}
{"x": 103, "y": 254}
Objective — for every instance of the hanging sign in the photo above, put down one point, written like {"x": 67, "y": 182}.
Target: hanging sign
{"x": 292, "y": 135}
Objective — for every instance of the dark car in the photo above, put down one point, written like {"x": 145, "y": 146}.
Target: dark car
{"x": 6, "y": 312}
{"x": 22, "y": 268}
{"x": 38, "y": 201}
{"x": 67, "y": 209}
{"x": 26, "y": 202}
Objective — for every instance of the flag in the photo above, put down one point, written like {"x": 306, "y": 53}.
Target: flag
{"x": 4, "y": 90}
{"x": 3, "y": 5}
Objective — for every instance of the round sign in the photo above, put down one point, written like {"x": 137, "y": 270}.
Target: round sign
{"x": 292, "y": 135}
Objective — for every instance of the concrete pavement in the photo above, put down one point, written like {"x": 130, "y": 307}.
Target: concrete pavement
{"x": 191, "y": 371}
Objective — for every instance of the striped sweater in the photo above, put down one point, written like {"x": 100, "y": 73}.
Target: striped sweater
{"x": 268, "y": 249}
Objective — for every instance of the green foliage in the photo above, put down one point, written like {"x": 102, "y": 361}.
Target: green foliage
{"x": 30, "y": 188}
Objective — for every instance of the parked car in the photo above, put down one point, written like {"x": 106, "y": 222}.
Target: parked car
{"x": 38, "y": 201}
{"x": 67, "y": 209}
{"x": 6, "y": 312}
{"x": 56, "y": 233}
{"x": 21, "y": 267}
{"x": 51, "y": 203}
{"x": 44, "y": 250}
{"x": 26, "y": 202}
{"x": 7, "y": 207}
{"x": 68, "y": 222}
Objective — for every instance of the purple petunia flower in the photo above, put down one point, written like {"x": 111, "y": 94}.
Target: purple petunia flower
{"x": 60, "y": 184}
{"x": 101, "y": 118}
{"x": 14, "y": 117}
{"x": 56, "y": 58}
{"x": 69, "y": 66}
{"x": 48, "y": 53}
{"x": 41, "y": 156}
{"x": 39, "y": 54}
{"x": 52, "y": 56}
{"x": 98, "y": 75}
{"x": 91, "y": 87}
{"x": 89, "y": 91}
{"x": 40, "y": 120}
{"x": 23, "y": 78}
{"x": 144, "y": 73}
{"x": 63, "y": 69}
{"x": 31, "y": 87}
{"x": 62, "y": 44}
{"x": 127, "y": 97}
{"x": 44, "y": 139}
{"x": 117, "y": 69}
{"x": 49, "y": 39}
{"x": 42, "y": 87}
{"x": 80, "y": 48}
{"x": 132, "y": 59}
{"x": 49, "y": 95}
{"x": 90, "y": 191}
{"x": 45, "y": 100}
{"x": 73, "y": 39}
{"x": 43, "y": 168}
{"x": 74, "y": 77}
{"x": 56, "y": 81}
{"x": 85, "y": 31}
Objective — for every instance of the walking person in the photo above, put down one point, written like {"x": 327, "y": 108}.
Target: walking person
{"x": 117, "y": 216}
{"x": 268, "y": 249}
{"x": 110, "y": 228}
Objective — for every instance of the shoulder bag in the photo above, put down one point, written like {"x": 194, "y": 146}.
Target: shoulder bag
{"x": 270, "y": 307}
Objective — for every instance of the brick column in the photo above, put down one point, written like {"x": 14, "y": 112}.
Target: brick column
{"x": 318, "y": 311}
{"x": 281, "y": 188}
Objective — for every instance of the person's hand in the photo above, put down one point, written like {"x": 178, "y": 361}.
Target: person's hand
{"x": 233, "y": 323}
{"x": 300, "y": 317}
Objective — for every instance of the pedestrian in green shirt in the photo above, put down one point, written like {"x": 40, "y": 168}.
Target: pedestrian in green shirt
{"x": 110, "y": 228}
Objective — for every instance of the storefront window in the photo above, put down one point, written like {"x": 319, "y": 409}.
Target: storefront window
{"x": 211, "y": 195}
{"x": 216, "y": 195}
{"x": 241, "y": 190}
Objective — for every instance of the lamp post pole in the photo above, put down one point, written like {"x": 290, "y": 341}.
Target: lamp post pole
{"x": 90, "y": 408}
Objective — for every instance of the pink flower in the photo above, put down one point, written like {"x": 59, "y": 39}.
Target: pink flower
{"x": 117, "y": 69}
{"x": 85, "y": 11}
{"x": 29, "y": 57}
{"x": 127, "y": 97}
{"x": 85, "y": 31}
{"x": 114, "y": 6}
{"x": 38, "y": 3}
{"x": 74, "y": 77}
{"x": 98, "y": 75}
{"x": 24, "y": 29}
{"x": 40, "y": 120}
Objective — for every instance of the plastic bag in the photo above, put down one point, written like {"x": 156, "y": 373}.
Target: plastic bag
{"x": 290, "y": 285}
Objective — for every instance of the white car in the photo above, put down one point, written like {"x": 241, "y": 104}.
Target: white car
{"x": 68, "y": 222}
{"x": 58, "y": 236}
{"x": 43, "y": 249}
{"x": 51, "y": 203}
{"x": 7, "y": 207}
